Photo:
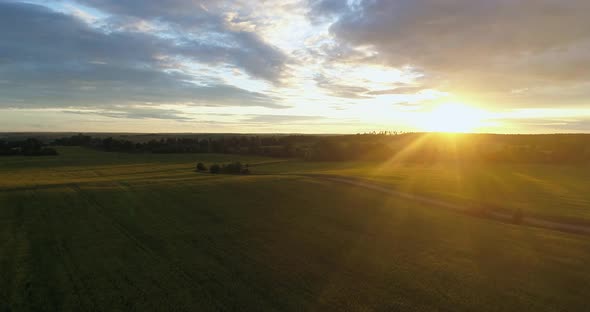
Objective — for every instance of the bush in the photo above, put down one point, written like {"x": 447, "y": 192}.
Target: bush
{"x": 201, "y": 167}
{"x": 215, "y": 168}
{"x": 232, "y": 168}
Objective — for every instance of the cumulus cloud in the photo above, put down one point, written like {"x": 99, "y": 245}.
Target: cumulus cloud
{"x": 203, "y": 29}
{"x": 338, "y": 89}
{"x": 474, "y": 47}
{"x": 50, "y": 59}
{"x": 126, "y": 59}
{"x": 320, "y": 10}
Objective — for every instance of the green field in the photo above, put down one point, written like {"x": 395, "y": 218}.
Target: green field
{"x": 560, "y": 191}
{"x": 95, "y": 231}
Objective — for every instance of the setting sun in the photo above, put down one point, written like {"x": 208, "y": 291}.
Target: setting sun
{"x": 452, "y": 117}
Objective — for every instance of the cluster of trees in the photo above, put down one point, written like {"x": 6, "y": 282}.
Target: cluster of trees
{"x": 231, "y": 168}
{"x": 413, "y": 147}
{"x": 28, "y": 147}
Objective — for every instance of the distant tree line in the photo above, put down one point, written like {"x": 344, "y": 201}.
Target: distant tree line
{"x": 545, "y": 148}
{"x": 410, "y": 147}
{"x": 28, "y": 147}
{"x": 272, "y": 146}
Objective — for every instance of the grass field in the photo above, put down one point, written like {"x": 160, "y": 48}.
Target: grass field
{"x": 560, "y": 191}
{"x": 93, "y": 231}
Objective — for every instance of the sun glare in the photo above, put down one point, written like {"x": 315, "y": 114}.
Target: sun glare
{"x": 452, "y": 117}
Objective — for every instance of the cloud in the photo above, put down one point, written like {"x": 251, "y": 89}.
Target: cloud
{"x": 128, "y": 59}
{"x": 50, "y": 59}
{"x": 398, "y": 90}
{"x": 203, "y": 31}
{"x": 282, "y": 119}
{"x": 476, "y": 48}
{"x": 135, "y": 113}
{"x": 546, "y": 125}
{"x": 342, "y": 87}
{"x": 340, "y": 90}
{"x": 319, "y": 10}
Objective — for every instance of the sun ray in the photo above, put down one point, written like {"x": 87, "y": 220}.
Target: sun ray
{"x": 398, "y": 157}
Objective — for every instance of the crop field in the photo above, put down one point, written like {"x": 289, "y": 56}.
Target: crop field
{"x": 97, "y": 231}
{"x": 556, "y": 191}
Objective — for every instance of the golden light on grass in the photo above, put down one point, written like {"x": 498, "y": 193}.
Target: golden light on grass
{"x": 452, "y": 117}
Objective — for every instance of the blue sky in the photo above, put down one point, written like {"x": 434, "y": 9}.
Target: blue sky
{"x": 294, "y": 65}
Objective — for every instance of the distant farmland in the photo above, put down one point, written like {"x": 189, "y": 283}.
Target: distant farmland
{"x": 97, "y": 231}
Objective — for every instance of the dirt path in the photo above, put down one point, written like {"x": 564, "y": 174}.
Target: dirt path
{"x": 533, "y": 221}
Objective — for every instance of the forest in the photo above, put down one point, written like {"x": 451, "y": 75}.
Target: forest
{"x": 412, "y": 147}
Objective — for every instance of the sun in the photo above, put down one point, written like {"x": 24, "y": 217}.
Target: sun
{"x": 452, "y": 117}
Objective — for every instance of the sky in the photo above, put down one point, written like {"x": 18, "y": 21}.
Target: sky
{"x": 295, "y": 66}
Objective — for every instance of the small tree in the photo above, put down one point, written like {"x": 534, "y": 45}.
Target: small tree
{"x": 201, "y": 167}
{"x": 215, "y": 168}
{"x": 232, "y": 168}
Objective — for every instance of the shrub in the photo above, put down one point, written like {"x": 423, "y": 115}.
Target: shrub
{"x": 232, "y": 168}
{"x": 201, "y": 167}
{"x": 215, "y": 168}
